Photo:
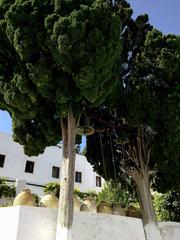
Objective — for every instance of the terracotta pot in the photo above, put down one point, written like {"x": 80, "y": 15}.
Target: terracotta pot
{"x": 49, "y": 201}
{"x": 133, "y": 212}
{"x": 117, "y": 209}
{"x": 89, "y": 205}
{"x": 25, "y": 197}
{"x": 77, "y": 204}
{"x": 104, "y": 207}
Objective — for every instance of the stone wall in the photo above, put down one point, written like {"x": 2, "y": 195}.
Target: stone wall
{"x": 33, "y": 223}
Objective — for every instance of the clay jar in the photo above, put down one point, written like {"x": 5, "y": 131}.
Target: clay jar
{"x": 104, "y": 207}
{"x": 117, "y": 209}
{"x": 89, "y": 205}
{"x": 133, "y": 212}
{"x": 49, "y": 201}
{"x": 25, "y": 197}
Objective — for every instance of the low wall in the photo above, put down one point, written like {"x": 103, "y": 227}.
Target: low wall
{"x": 9, "y": 222}
{"x": 33, "y": 223}
{"x": 89, "y": 226}
{"x": 169, "y": 230}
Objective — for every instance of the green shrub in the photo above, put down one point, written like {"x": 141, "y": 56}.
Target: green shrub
{"x": 160, "y": 211}
{"x": 112, "y": 192}
{"x": 6, "y": 190}
{"x": 172, "y": 205}
{"x": 167, "y": 206}
{"x": 52, "y": 188}
{"x": 37, "y": 199}
{"x": 83, "y": 195}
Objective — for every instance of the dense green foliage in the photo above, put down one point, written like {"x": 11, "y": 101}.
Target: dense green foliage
{"x": 172, "y": 205}
{"x": 113, "y": 193}
{"x": 110, "y": 166}
{"x": 159, "y": 207}
{"x": 154, "y": 100}
{"x": 88, "y": 194}
{"x": 167, "y": 206}
{"x": 150, "y": 98}
{"x": 52, "y": 188}
{"x": 6, "y": 190}
{"x": 55, "y": 56}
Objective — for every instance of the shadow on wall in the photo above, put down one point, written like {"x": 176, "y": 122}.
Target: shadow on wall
{"x": 24, "y": 223}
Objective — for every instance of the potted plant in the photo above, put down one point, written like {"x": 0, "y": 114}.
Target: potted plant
{"x": 112, "y": 199}
{"x": 133, "y": 210}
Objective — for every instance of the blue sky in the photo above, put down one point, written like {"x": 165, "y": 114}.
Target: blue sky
{"x": 163, "y": 15}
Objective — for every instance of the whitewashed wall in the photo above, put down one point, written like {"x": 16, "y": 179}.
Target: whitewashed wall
{"x": 32, "y": 223}
{"x": 170, "y": 230}
{"x": 16, "y": 159}
{"x": 9, "y": 223}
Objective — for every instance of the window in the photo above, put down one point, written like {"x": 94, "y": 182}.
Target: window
{"x": 29, "y": 168}
{"x": 78, "y": 176}
{"x": 98, "y": 181}
{"x": 55, "y": 172}
{"x": 2, "y": 158}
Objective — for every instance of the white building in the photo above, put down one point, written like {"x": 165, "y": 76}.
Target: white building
{"x": 37, "y": 171}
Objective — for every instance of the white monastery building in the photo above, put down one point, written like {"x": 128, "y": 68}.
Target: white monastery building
{"x": 45, "y": 168}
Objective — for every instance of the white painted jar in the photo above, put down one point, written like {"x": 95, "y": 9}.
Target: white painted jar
{"x": 25, "y": 197}
{"x": 49, "y": 201}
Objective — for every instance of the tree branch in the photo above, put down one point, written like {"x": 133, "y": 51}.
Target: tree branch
{"x": 151, "y": 172}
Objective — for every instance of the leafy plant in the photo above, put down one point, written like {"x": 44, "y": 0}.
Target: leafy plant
{"x": 159, "y": 206}
{"x": 112, "y": 192}
{"x": 6, "y": 190}
{"x": 37, "y": 199}
{"x": 167, "y": 206}
{"x": 52, "y": 188}
{"x": 83, "y": 195}
{"x": 172, "y": 205}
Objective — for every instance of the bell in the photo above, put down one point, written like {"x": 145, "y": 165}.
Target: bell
{"x": 84, "y": 127}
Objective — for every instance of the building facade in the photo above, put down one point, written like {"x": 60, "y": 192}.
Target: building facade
{"x": 37, "y": 171}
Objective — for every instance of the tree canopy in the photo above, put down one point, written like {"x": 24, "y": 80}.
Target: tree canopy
{"x": 55, "y": 56}
{"x": 149, "y": 97}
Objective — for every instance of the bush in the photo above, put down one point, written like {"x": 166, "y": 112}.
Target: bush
{"x": 6, "y": 190}
{"x": 37, "y": 199}
{"x": 159, "y": 207}
{"x": 172, "y": 205}
{"x": 112, "y": 192}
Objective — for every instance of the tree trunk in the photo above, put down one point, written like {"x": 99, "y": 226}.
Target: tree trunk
{"x": 147, "y": 211}
{"x": 65, "y": 212}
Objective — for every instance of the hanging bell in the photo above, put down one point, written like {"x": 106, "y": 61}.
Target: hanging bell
{"x": 84, "y": 128}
